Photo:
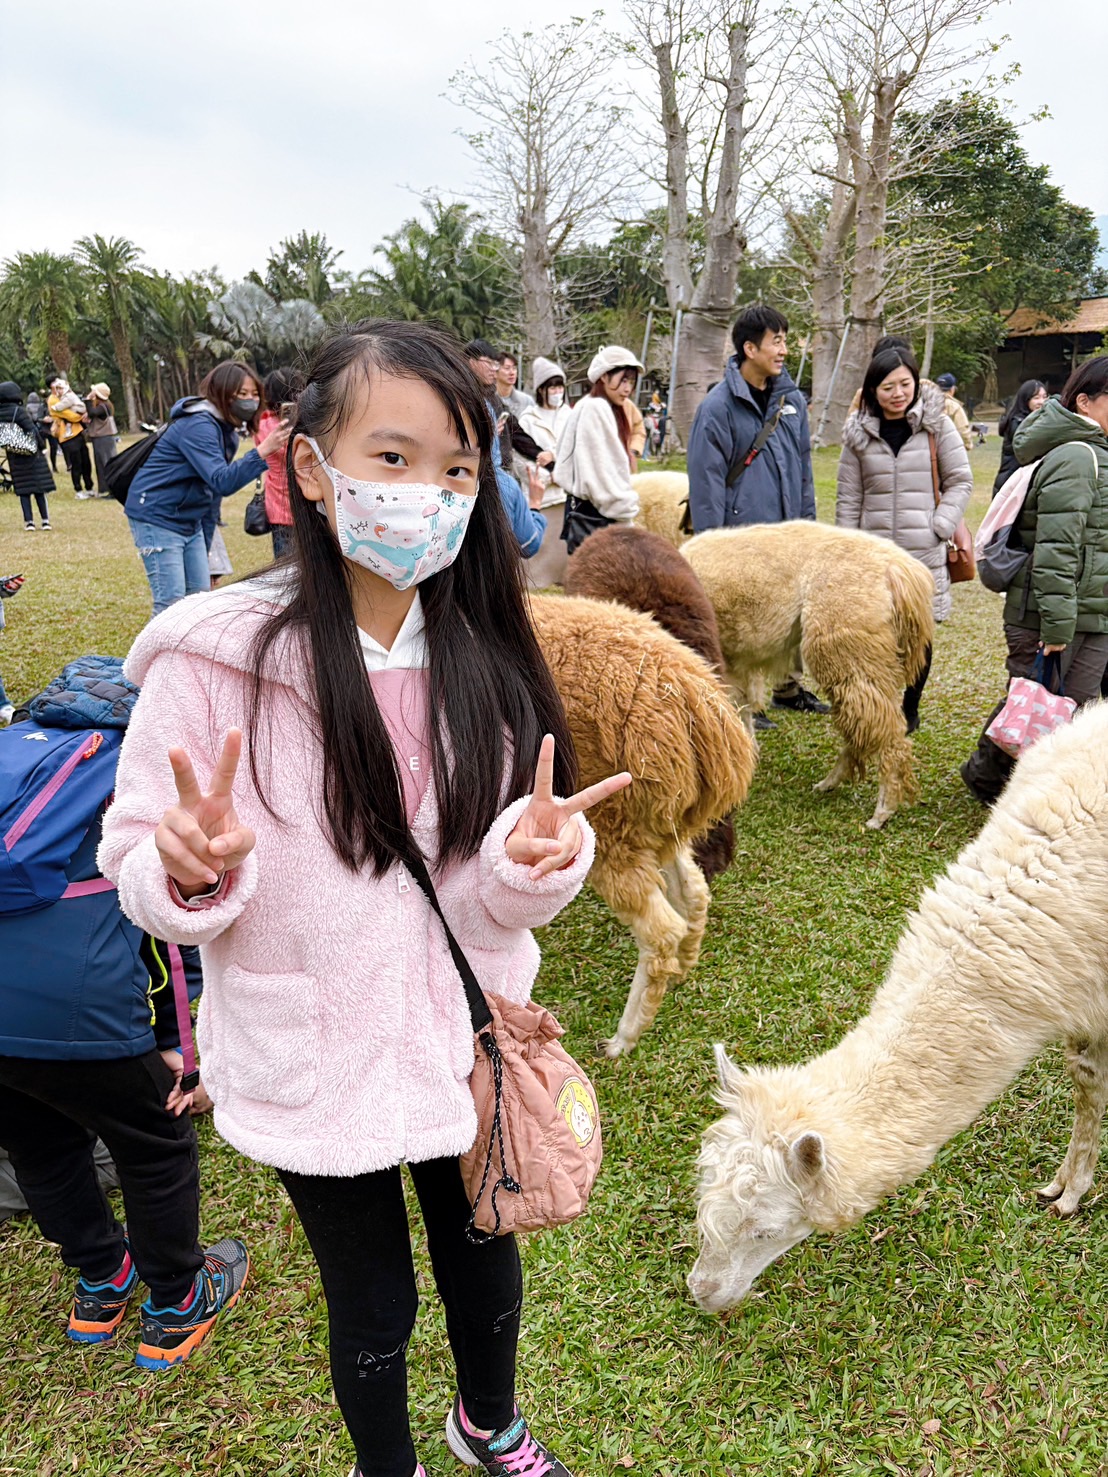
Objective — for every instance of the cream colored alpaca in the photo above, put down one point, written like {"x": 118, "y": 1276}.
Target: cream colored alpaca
{"x": 637, "y": 699}
{"x": 662, "y": 496}
{"x": 853, "y": 609}
{"x": 1007, "y": 952}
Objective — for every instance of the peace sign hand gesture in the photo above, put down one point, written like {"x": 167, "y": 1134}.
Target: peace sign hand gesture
{"x": 199, "y": 838}
{"x": 547, "y": 836}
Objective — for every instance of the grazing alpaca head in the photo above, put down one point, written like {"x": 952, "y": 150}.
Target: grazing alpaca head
{"x": 761, "y": 1184}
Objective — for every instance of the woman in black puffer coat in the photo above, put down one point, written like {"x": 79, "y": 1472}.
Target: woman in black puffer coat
{"x": 30, "y": 474}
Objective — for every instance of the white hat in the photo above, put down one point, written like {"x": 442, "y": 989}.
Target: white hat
{"x": 612, "y": 357}
{"x": 545, "y": 369}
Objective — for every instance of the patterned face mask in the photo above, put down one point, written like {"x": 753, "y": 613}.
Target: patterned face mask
{"x": 402, "y": 531}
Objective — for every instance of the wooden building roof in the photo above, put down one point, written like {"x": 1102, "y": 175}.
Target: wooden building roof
{"x": 1091, "y": 317}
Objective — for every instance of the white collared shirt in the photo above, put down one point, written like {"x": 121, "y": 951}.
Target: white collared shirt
{"x": 408, "y": 651}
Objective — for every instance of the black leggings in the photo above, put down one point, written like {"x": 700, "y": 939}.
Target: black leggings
{"x": 25, "y": 502}
{"x": 358, "y": 1231}
{"x": 913, "y": 694}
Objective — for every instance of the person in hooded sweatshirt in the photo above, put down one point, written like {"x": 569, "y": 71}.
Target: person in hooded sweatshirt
{"x": 733, "y": 481}
{"x": 173, "y": 502}
{"x": 1057, "y": 605}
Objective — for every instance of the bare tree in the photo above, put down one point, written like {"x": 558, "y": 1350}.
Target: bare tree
{"x": 716, "y": 65}
{"x": 862, "y": 62}
{"x": 549, "y": 150}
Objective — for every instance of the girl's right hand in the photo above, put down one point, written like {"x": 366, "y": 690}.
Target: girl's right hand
{"x": 276, "y": 440}
{"x": 200, "y": 838}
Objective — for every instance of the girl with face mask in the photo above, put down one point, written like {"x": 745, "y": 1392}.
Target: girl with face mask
{"x": 394, "y": 702}
{"x": 174, "y": 502}
{"x": 544, "y": 421}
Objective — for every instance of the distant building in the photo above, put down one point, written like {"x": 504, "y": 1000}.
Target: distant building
{"x": 1037, "y": 348}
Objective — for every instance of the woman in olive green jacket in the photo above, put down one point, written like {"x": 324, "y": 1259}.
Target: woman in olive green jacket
{"x": 1059, "y": 601}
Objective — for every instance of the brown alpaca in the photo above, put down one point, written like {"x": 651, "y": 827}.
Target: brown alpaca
{"x": 855, "y": 609}
{"x": 639, "y": 700}
{"x": 644, "y": 571}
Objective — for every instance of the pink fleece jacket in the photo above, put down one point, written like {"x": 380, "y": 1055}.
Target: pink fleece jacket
{"x": 333, "y": 1027}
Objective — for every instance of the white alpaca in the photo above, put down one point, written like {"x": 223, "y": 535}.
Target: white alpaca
{"x": 1007, "y": 952}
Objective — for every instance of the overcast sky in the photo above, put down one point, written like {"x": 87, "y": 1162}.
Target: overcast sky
{"x": 206, "y": 132}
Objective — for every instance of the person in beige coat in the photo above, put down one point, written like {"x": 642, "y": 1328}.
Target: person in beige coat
{"x": 887, "y": 480}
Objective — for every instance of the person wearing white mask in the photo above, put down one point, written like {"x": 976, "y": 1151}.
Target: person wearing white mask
{"x": 544, "y": 420}
{"x": 594, "y": 458}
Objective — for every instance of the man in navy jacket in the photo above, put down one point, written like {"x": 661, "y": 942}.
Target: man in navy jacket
{"x": 731, "y": 483}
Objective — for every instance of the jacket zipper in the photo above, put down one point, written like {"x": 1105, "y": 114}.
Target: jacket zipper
{"x": 31, "y": 813}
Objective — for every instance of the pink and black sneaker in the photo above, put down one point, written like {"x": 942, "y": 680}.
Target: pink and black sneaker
{"x": 99, "y": 1307}
{"x": 513, "y": 1452}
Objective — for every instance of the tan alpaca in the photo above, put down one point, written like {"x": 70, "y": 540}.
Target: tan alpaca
{"x": 662, "y": 496}
{"x": 637, "y": 699}
{"x": 1007, "y": 952}
{"x": 854, "y": 609}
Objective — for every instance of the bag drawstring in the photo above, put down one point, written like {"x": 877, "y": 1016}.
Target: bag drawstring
{"x": 506, "y": 1180}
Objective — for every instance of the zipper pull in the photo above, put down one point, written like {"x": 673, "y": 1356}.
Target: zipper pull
{"x": 402, "y": 883}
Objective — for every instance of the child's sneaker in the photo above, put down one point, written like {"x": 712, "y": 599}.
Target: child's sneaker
{"x": 29, "y": 527}
{"x": 99, "y": 1307}
{"x": 46, "y": 525}
{"x": 170, "y": 1335}
{"x": 513, "y": 1452}
{"x": 356, "y": 1471}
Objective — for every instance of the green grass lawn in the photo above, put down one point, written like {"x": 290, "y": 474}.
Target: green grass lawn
{"x": 958, "y": 1330}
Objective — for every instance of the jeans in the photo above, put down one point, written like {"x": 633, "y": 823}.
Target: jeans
{"x": 25, "y": 503}
{"x": 103, "y": 449}
{"x": 987, "y": 769}
{"x": 52, "y": 1112}
{"x": 77, "y": 462}
{"x": 358, "y": 1231}
{"x": 176, "y": 563}
{"x": 281, "y": 533}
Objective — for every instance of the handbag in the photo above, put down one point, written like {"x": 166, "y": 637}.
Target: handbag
{"x": 15, "y": 439}
{"x": 1031, "y": 709}
{"x": 581, "y": 519}
{"x": 255, "y": 520}
{"x": 538, "y": 1146}
{"x": 960, "y": 562}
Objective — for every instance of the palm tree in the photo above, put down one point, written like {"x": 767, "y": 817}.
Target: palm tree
{"x": 115, "y": 267}
{"x": 43, "y": 293}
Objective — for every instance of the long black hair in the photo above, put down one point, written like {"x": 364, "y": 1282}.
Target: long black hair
{"x": 1020, "y": 408}
{"x": 491, "y": 696}
{"x": 879, "y": 368}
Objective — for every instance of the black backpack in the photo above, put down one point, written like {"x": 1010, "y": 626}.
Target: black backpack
{"x": 121, "y": 469}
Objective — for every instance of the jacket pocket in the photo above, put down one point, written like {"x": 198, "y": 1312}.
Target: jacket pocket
{"x": 270, "y": 1036}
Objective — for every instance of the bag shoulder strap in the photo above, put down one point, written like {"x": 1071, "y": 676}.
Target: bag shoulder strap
{"x": 479, "y": 1011}
{"x": 739, "y": 467}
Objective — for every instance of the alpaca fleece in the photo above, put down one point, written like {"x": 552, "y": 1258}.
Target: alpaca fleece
{"x": 645, "y": 572}
{"x": 662, "y": 499}
{"x": 333, "y": 1027}
{"x": 854, "y": 610}
{"x": 639, "y": 700}
{"x": 1006, "y": 953}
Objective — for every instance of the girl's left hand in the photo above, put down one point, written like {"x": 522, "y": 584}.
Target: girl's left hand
{"x": 547, "y": 836}
{"x": 177, "y": 1101}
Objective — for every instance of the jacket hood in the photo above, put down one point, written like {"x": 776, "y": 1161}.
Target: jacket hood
{"x": 10, "y": 393}
{"x": 733, "y": 376}
{"x": 222, "y": 626}
{"x": 190, "y": 404}
{"x": 925, "y": 413}
{"x": 1050, "y": 426}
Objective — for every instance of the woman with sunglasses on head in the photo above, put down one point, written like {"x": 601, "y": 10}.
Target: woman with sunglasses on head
{"x": 594, "y": 460}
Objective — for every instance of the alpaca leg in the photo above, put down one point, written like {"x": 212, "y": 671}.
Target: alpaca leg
{"x": 870, "y": 716}
{"x": 846, "y": 767}
{"x": 1087, "y": 1062}
{"x": 658, "y": 929}
{"x": 690, "y": 894}
{"x": 897, "y": 782}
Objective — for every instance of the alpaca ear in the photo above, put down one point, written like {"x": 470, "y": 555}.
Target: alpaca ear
{"x": 726, "y": 1071}
{"x": 806, "y": 1156}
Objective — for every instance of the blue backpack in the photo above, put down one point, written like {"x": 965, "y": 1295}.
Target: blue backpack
{"x": 55, "y": 784}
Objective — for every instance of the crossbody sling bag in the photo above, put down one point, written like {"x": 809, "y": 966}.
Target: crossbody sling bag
{"x": 538, "y": 1145}
{"x": 736, "y": 470}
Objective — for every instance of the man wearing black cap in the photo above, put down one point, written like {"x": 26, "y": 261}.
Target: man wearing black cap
{"x": 955, "y": 409}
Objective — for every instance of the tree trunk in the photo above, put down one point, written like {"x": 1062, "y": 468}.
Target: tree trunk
{"x": 928, "y": 333}
{"x": 676, "y": 257}
{"x": 829, "y": 279}
{"x": 122, "y": 346}
{"x": 58, "y": 343}
{"x": 702, "y": 350}
{"x": 537, "y": 284}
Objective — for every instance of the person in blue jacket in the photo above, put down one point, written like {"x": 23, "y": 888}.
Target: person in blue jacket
{"x": 528, "y": 524}
{"x": 173, "y": 502}
{"x": 733, "y": 482}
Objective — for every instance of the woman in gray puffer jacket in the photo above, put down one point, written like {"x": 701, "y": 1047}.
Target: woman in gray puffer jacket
{"x": 886, "y": 485}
